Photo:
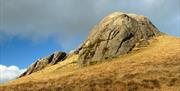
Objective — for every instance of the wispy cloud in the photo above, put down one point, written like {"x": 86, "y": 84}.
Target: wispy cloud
{"x": 8, "y": 73}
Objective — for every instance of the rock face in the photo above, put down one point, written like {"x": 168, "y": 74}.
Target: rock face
{"x": 44, "y": 62}
{"x": 116, "y": 34}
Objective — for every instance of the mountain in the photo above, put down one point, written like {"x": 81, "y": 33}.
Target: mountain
{"x": 124, "y": 52}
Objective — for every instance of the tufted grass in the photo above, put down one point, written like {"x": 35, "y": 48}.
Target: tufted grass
{"x": 152, "y": 68}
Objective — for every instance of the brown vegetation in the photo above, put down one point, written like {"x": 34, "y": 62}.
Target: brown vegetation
{"x": 152, "y": 68}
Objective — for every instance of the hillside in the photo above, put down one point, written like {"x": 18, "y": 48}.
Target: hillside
{"x": 123, "y": 52}
{"x": 152, "y": 68}
{"x": 116, "y": 34}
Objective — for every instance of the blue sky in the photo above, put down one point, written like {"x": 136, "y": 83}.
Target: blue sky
{"x": 22, "y": 52}
{"x": 31, "y": 29}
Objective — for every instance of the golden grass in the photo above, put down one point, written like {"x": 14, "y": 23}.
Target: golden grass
{"x": 152, "y": 68}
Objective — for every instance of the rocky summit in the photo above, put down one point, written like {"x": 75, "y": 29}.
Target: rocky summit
{"x": 116, "y": 34}
{"x": 151, "y": 61}
{"x": 44, "y": 62}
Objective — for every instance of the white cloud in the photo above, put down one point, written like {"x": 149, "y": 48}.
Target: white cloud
{"x": 9, "y": 72}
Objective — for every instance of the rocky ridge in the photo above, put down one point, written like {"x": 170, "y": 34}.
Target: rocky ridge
{"x": 44, "y": 62}
{"x": 117, "y": 34}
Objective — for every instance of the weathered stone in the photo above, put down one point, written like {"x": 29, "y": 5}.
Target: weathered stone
{"x": 115, "y": 35}
{"x": 44, "y": 62}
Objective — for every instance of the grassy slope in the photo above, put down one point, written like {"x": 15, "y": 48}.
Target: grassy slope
{"x": 156, "y": 67}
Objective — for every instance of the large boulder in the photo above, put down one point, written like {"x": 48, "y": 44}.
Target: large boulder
{"x": 116, "y": 34}
{"x": 44, "y": 62}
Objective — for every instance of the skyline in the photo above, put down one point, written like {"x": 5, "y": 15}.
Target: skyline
{"x": 31, "y": 29}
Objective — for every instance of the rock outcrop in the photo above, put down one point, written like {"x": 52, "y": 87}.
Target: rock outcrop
{"x": 44, "y": 62}
{"x": 116, "y": 34}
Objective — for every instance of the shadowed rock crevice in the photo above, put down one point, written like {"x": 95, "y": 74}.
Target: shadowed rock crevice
{"x": 115, "y": 35}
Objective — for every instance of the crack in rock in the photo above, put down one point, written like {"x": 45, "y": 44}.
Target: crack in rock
{"x": 115, "y": 35}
